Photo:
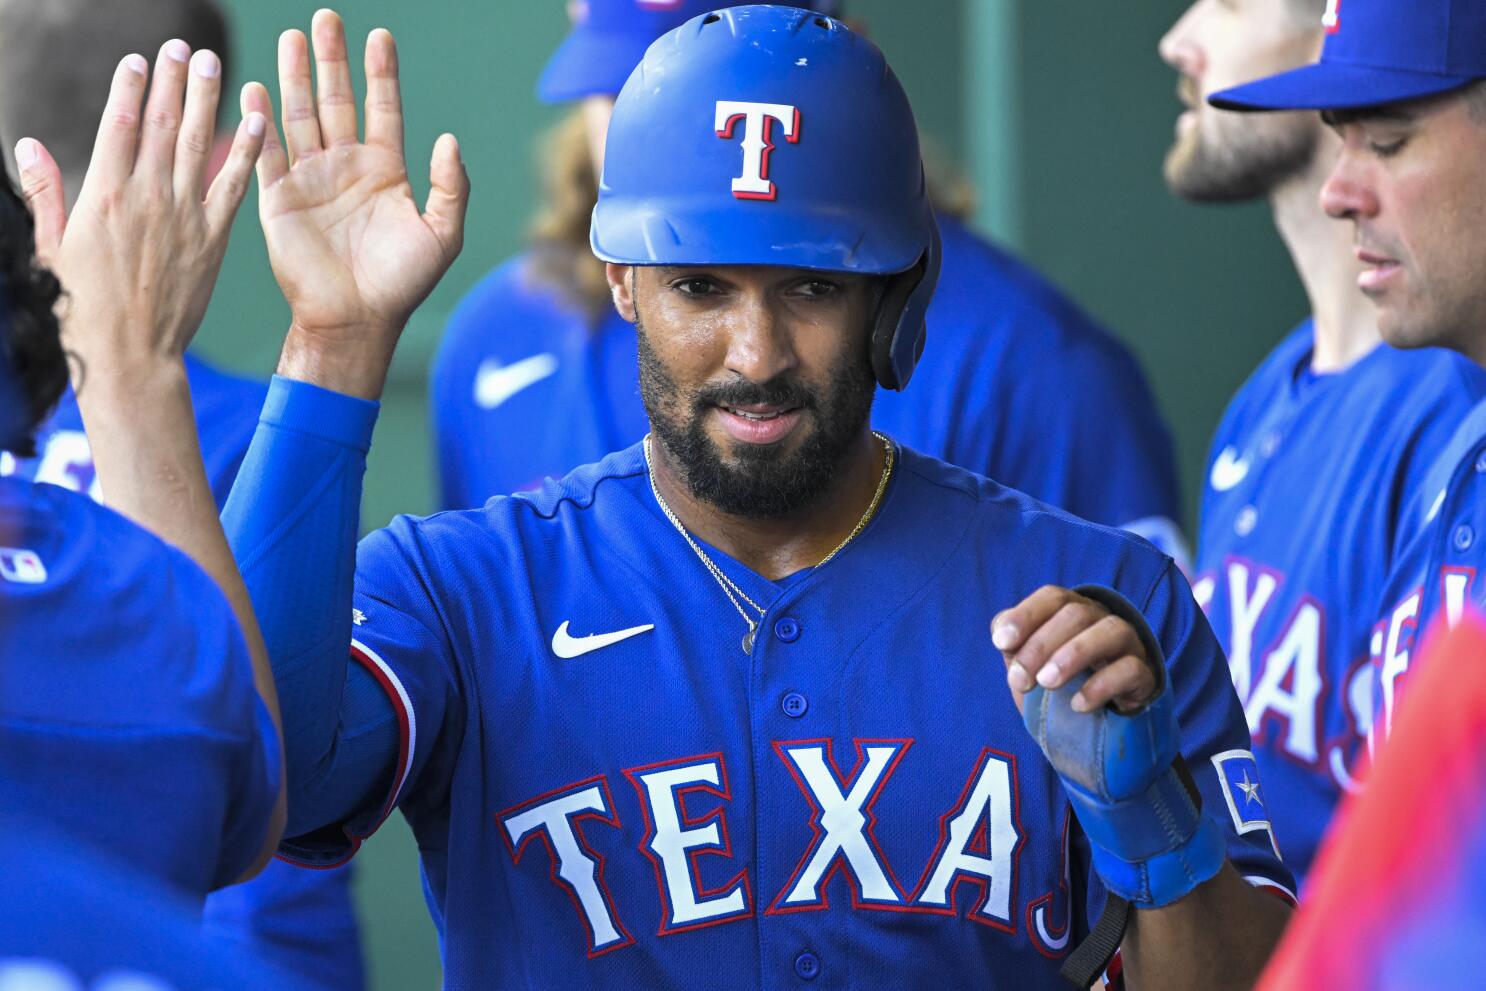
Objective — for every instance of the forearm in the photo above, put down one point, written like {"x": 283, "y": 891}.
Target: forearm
{"x": 1220, "y": 936}
{"x": 142, "y": 430}
{"x": 292, "y": 520}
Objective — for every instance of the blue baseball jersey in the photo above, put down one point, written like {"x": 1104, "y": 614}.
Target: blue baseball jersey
{"x": 1302, "y": 521}
{"x": 1015, "y": 383}
{"x": 128, "y": 713}
{"x": 226, "y": 408}
{"x": 304, "y": 918}
{"x": 608, "y": 791}
{"x": 1437, "y": 577}
{"x": 75, "y": 919}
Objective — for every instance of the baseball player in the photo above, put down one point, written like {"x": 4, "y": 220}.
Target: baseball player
{"x": 1413, "y": 118}
{"x": 726, "y": 703}
{"x": 55, "y": 60}
{"x": 130, "y": 713}
{"x": 1316, "y": 456}
{"x": 74, "y": 919}
{"x": 536, "y": 373}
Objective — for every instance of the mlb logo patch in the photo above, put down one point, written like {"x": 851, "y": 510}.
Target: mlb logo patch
{"x": 21, "y": 567}
{"x": 1238, "y": 774}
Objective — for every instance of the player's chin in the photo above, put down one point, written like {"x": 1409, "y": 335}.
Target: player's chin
{"x": 742, "y": 431}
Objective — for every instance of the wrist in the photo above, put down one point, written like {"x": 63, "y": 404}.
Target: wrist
{"x": 127, "y": 382}
{"x": 355, "y": 369}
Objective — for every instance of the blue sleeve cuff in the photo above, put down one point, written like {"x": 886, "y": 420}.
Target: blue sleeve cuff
{"x": 309, "y": 409}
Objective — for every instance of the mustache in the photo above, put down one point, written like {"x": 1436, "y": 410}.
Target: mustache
{"x": 780, "y": 391}
{"x": 1187, "y": 91}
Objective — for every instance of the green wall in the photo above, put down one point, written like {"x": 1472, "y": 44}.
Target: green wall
{"x": 1059, "y": 109}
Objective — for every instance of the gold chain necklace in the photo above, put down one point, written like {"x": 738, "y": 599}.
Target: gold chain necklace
{"x": 728, "y": 586}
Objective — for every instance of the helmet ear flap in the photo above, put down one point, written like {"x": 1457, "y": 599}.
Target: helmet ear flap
{"x": 898, "y": 332}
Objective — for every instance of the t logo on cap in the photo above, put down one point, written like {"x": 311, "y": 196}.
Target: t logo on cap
{"x": 758, "y": 144}
{"x": 1332, "y": 19}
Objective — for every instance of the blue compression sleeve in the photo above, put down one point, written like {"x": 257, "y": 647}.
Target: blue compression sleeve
{"x": 291, "y": 520}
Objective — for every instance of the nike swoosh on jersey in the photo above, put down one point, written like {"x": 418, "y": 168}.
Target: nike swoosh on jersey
{"x": 566, "y": 646}
{"x": 495, "y": 383}
{"x": 1228, "y": 470}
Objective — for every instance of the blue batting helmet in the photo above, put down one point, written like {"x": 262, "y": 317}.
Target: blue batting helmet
{"x": 609, "y": 37}
{"x": 774, "y": 136}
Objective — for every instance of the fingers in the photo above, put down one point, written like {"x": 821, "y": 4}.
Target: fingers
{"x": 383, "y": 93}
{"x": 41, "y": 183}
{"x": 198, "y": 125}
{"x": 448, "y": 196}
{"x": 1010, "y": 629}
{"x": 301, "y": 119}
{"x": 1128, "y": 683}
{"x": 273, "y": 160}
{"x": 1040, "y": 656}
{"x": 118, "y": 131}
{"x": 337, "y": 101}
{"x": 231, "y": 184}
{"x": 162, "y": 114}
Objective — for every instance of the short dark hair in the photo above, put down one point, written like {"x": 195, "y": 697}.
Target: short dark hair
{"x": 33, "y": 366}
{"x": 57, "y": 58}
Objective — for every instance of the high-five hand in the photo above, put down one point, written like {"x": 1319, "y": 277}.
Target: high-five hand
{"x": 353, "y": 254}
{"x": 140, "y": 254}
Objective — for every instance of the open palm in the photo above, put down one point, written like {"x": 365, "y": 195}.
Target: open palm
{"x": 352, "y": 252}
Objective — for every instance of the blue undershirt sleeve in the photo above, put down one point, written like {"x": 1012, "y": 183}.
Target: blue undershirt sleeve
{"x": 291, "y": 520}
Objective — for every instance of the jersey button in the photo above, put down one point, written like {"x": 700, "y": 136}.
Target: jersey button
{"x": 787, "y": 629}
{"x": 807, "y": 965}
{"x": 794, "y": 705}
{"x": 1248, "y": 518}
{"x": 1464, "y": 537}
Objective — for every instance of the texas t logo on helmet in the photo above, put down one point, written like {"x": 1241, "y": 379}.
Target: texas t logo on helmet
{"x": 758, "y": 141}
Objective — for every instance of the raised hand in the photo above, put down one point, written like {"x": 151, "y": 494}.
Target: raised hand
{"x": 140, "y": 254}
{"x": 352, "y": 252}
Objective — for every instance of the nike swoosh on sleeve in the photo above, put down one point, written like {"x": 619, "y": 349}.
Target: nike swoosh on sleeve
{"x": 495, "y": 383}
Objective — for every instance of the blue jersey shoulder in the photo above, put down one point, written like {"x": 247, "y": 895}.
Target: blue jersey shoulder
{"x": 122, "y": 659}
{"x": 1007, "y": 348}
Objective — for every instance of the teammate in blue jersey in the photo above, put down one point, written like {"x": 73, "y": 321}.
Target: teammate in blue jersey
{"x": 55, "y": 64}
{"x": 1412, "y": 183}
{"x": 727, "y": 701}
{"x": 536, "y": 373}
{"x": 129, "y": 713}
{"x": 1317, "y": 455}
{"x": 75, "y": 919}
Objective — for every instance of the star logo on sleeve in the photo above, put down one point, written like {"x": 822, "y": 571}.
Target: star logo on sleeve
{"x": 1238, "y": 776}
{"x": 1250, "y": 790}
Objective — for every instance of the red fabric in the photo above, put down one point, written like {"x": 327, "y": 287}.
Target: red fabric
{"x": 1393, "y": 846}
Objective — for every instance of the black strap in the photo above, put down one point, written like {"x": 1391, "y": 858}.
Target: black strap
{"x": 1091, "y": 958}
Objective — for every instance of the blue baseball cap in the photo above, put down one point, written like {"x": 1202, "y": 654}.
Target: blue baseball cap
{"x": 1377, "y": 52}
{"x": 609, "y": 38}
